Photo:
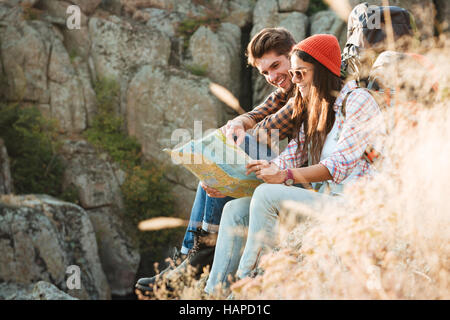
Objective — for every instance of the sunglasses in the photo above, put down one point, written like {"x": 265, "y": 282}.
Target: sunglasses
{"x": 300, "y": 73}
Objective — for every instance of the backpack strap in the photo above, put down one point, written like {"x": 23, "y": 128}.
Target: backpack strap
{"x": 370, "y": 154}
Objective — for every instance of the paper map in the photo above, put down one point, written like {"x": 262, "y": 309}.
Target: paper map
{"x": 218, "y": 164}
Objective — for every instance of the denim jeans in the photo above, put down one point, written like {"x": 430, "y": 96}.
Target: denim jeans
{"x": 249, "y": 227}
{"x": 206, "y": 211}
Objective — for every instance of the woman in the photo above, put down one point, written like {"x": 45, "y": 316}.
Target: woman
{"x": 331, "y": 139}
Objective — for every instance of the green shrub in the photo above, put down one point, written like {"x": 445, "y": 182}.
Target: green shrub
{"x": 32, "y": 144}
{"x": 107, "y": 131}
{"x": 145, "y": 192}
{"x": 198, "y": 70}
{"x": 187, "y": 27}
{"x": 316, "y": 6}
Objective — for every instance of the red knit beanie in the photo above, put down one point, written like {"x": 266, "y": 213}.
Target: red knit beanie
{"x": 325, "y": 49}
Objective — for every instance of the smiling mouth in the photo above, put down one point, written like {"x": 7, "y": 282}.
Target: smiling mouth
{"x": 280, "y": 83}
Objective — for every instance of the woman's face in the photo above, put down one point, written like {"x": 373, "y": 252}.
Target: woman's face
{"x": 302, "y": 74}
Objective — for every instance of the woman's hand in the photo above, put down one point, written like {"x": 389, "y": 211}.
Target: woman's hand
{"x": 213, "y": 193}
{"x": 266, "y": 171}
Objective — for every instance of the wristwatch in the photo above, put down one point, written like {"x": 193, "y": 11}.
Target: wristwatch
{"x": 289, "y": 180}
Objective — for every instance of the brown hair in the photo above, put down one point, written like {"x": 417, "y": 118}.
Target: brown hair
{"x": 278, "y": 40}
{"x": 315, "y": 112}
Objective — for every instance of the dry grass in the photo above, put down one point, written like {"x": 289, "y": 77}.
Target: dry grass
{"x": 391, "y": 240}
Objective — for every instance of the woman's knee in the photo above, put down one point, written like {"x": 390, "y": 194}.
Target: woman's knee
{"x": 266, "y": 193}
{"x": 235, "y": 211}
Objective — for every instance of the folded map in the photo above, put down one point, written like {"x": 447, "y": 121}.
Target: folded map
{"x": 219, "y": 164}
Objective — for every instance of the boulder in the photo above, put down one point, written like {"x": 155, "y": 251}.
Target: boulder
{"x": 266, "y": 15}
{"x": 163, "y": 20}
{"x": 294, "y": 5}
{"x": 98, "y": 182}
{"x": 119, "y": 47}
{"x": 6, "y": 182}
{"x": 91, "y": 174}
{"x": 162, "y": 100}
{"x": 38, "y": 70}
{"x": 43, "y": 290}
{"x": 87, "y": 6}
{"x": 238, "y": 12}
{"x": 119, "y": 253}
{"x": 328, "y": 22}
{"x": 76, "y": 41}
{"x": 15, "y": 291}
{"x": 219, "y": 54}
{"x": 85, "y": 80}
{"x": 41, "y": 237}
{"x": 25, "y": 3}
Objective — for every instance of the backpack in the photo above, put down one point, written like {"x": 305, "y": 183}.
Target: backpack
{"x": 366, "y": 32}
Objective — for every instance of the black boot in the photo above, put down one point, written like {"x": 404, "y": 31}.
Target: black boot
{"x": 143, "y": 284}
{"x": 200, "y": 256}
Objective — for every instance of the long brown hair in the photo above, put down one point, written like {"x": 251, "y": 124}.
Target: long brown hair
{"x": 315, "y": 112}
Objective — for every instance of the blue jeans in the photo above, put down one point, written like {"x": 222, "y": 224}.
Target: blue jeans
{"x": 206, "y": 211}
{"x": 249, "y": 228}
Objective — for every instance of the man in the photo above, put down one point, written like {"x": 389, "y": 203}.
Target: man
{"x": 268, "y": 51}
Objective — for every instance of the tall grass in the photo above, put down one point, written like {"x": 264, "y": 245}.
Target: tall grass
{"x": 391, "y": 239}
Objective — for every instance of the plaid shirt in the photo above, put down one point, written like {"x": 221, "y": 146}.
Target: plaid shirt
{"x": 362, "y": 124}
{"x": 274, "y": 113}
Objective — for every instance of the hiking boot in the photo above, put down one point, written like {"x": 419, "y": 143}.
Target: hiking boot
{"x": 144, "y": 284}
{"x": 200, "y": 256}
{"x": 202, "y": 253}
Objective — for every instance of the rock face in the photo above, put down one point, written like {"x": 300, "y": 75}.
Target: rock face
{"x": 38, "y": 70}
{"x": 83, "y": 166}
{"x": 87, "y": 6}
{"x": 328, "y": 22}
{"x": 98, "y": 184}
{"x": 41, "y": 236}
{"x": 118, "y": 46}
{"x": 41, "y": 290}
{"x": 219, "y": 53}
{"x": 161, "y": 100}
{"x": 294, "y": 5}
{"x": 6, "y": 183}
{"x": 233, "y": 11}
{"x": 47, "y": 291}
{"x": 163, "y": 106}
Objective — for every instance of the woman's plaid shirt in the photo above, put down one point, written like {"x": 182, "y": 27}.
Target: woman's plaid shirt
{"x": 362, "y": 124}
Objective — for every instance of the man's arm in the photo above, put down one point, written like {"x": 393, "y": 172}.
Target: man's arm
{"x": 237, "y": 127}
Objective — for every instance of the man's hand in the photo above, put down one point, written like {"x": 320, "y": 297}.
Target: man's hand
{"x": 213, "y": 193}
{"x": 266, "y": 171}
{"x": 234, "y": 128}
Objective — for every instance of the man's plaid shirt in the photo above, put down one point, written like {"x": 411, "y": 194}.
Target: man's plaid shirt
{"x": 274, "y": 114}
{"x": 362, "y": 124}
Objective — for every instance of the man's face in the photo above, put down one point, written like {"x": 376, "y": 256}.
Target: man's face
{"x": 275, "y": 69}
